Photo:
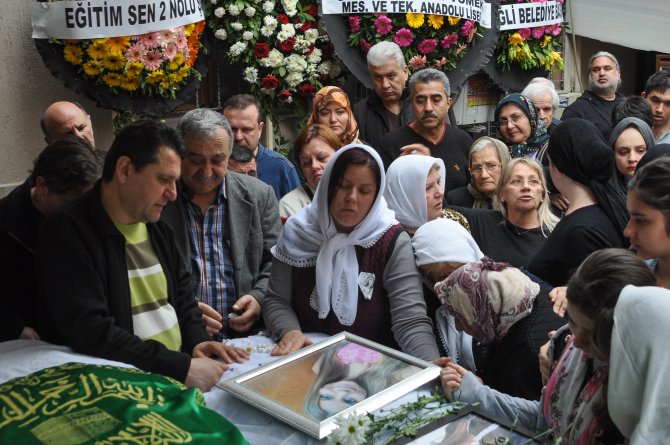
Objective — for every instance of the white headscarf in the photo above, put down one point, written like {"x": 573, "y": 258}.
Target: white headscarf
{"x": 443, "y": 240}
{"x": 310, "y": 238}
{"x": 406, "y": 188}
{"x": 638, "y": 397}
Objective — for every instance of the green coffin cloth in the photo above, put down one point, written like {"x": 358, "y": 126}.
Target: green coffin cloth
{"x": 77, "y": 403}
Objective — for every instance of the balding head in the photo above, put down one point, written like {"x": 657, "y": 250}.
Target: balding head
{"x": 63, "y": 118}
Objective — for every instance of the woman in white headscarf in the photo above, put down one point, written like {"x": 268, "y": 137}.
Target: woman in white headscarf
{"x": 345, "y": 264}
{"x": 638, "y": 393}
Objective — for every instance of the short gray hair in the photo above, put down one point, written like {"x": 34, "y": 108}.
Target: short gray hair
{"x": 429, "y": 75}
{"x": 499, "y": 146}
{"x": 604, "y": 54}
{"x": 201, "y": 123}
{"x": 381, "y": 53}
{"x": 536, "y": 89}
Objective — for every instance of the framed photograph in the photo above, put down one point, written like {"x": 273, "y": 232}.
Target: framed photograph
{"x": 471, "y": 427}
{"x": 341, "y": 375}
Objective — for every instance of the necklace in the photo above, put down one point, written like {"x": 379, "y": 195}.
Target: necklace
{"x": 519, "y": 232}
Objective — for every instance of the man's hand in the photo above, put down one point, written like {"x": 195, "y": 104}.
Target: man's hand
{"x": 291, "y": 341}
{"x": 248, "y": 312}
{"x": 545, "y": 361}
{"x": 451, "y": 377}
{"x": 204, "y": 373}
{"x": 415, "y": 149}
{"x": 214, "y": 349}
{"x": 212, "y": 318}
{"x": 560, "y": 300}
{"x": 29, "y": 333}
{"x": 559, "y": 201}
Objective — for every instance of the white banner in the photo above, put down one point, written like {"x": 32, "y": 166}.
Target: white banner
{"x": 110, "y": 18}
{"x": 530, "y": 15}
{"x": 476, "y": 10}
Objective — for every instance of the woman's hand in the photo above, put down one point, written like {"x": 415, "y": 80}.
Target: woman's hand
{"x": 451, "y": 377}
{"x": 291, "y": 341}
{"x": 560, "y": 300}
{"x": 545, "y": 361}
{"x": 559, "y": 201}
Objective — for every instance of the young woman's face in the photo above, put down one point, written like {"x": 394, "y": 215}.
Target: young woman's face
{"x": 335, "y": 117}
{"x": 514, "y": 124}
{"x": 628, "y": 150}
{"x": 523, "y": 191}
{"x": 647, "y": 229}
{"x": 313, "y": 159}
{"x": 434, "y": 195}
{"x": 582, "y": 328}
{"x": 354, "y": 197}
{"x": 338, "y": 396}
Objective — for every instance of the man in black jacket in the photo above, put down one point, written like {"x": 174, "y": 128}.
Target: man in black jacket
{"x": 114, "y": 283}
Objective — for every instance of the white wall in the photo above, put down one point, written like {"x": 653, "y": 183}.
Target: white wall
{"x": 26, "y": 89}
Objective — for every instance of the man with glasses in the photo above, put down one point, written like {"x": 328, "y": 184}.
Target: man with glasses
{"x": 597, "y": 103}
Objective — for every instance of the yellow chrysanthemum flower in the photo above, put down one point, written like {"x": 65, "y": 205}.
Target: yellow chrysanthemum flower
{"x": 72, "y": 54}
{"x": 178, "y": 59}
{"x": 436, "y": 21}
{"x": 112, "y": 79}
{"x": 414, "y": 20}
{"x": 546, "y": 41}
{"x": 118, "y": 44}
{"x": 134, "y": 69}
{"x": 93, "y": 68}
{"x": 188, "y": 29}
{"x": 130, "y": 83}
{"x": 453, "y": 21}
{"x": 515, "y": 39}
{"x": 556, "y": 57}
{"x": 165, "y": 83}
{"x": 184, "y": 71}
{"x": 114, "y": 61}
{"x": 155, "y": 77}
{"x": 97, "y": 49}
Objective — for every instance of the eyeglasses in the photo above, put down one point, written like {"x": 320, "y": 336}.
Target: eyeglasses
{"x": 489, "y": 167}
{"x": 512, "y": 120}
{"x": 532, "y": 182}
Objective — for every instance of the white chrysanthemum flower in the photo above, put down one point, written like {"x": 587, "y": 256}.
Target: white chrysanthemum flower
{"x": 311, "y": 35}
{"x": 274, "y": 59}
{"x": 250, "y": 74}
{"x": 315, "y": 56}
{"x": 249, "y": 11}
{"x": 247, "y": 35}
{"x": 237, "y": 48}
{"x": 267, "y": 31}
{"x": 290, "y": 7}
{"x": 301, "y": 44}
{"x": 220, "y": 12}
{"x": 296, "y": 63}
{"x": 287, "y": 31}
{"x": 237, "y": 26}
{"x": 268, "y": 20}
{"x": 325, "y": 67}
{"x": 268, "y": 6}
{"x": 233, "y": 10}
{"x": 294, "y": 79}
{"x": 351, "y": 430}
{"x": 221, "y": 34}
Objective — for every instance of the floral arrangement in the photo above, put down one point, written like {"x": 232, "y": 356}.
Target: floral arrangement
{"x": 287, "y": 55}
{"x": 531, "y": 48}
{"x": 425, "y": 39}
{"x": 152, "y": 63}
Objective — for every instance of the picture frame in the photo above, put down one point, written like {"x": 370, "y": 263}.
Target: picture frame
{"x": 310, "y": 388}
{"x": 471, "y": 426}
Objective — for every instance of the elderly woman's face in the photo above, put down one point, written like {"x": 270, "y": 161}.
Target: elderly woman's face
{"x": 335, "y": 117}
{"x": 486, "y": 169}
{"x": 514, "y": 124}
{"x": 628, "y": 150}
{"x": 313, "y": 159}
{"x": 523, "y": 191}
{"x": 354, "y": 197}
{"x": 434, "y": 195}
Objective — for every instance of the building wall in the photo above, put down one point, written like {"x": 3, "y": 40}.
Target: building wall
{"x": 27, "y": 88}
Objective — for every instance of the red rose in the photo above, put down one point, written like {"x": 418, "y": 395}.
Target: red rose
{"x": 311, "y": 9}
{"x": 261, "y": 50}
{"x": 284, "y": 95}
{"x": 270, "y": 82}
{"x": 306, "y": 89}
{"x": 283, "y": 19}
{"x": 310, "y": 50}
{"x": 307, "y": 25}
{"x": 287, "y": 45}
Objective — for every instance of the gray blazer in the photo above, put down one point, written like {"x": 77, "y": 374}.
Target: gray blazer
{"x": 254, "y": 225}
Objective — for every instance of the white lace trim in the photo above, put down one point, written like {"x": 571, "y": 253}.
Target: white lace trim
{"x": 285, "y": 258}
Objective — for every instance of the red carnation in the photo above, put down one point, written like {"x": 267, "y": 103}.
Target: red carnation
{"x": 284, "y": 95}
{"x": 306, "y": 89}
{"x": 311, "y": 9}
{"x": 283, "y": 19}
{"x": 261, "y": 50}
{"x": 310, "y": 50}
{"x": 270, "y": 82}
{"x": 307, "y": 25}
{"x": 287, "y": 45}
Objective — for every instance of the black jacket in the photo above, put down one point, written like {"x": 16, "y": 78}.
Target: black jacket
{"x": 595, "y": 109}
{"x": 371, "y": 117}
{"x": 81, "y": 265}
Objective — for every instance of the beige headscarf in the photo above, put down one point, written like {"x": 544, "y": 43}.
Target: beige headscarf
{"x": 329, "y": 94}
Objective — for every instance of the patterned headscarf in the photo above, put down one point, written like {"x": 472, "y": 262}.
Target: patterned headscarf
{"x": 536, "y": 145}
{"x": 323, "y": 98}
{"x": 488, "y": 297}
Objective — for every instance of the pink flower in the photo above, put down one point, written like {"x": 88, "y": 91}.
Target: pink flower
{"x": 427, "y": 46}
{"x": 417, "y": 62}
{"x": 135, "y": 53}
{"x": 557, "y": 29}
{"x": 166, "y": 36}
{"x": 449, "y": 40}
{"x": 537, "y": 32}
{"x": 152, "y": 60}
{"x": 524, "y": 33}
{"x": 365, "y": 46}
{"x": 170, "y": 51}
{"x": 181, "y": 41}
{"x": 468, "y": 29}
{"x": 354, "y": 23}
{"x": 149, "y": 40}
{"x": 403, "y": 38}
{"x": 383, "y": 25}
{"x": 440, "y": 63}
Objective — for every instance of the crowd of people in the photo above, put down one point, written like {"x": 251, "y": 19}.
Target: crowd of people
{"x": 385, "y": 221}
